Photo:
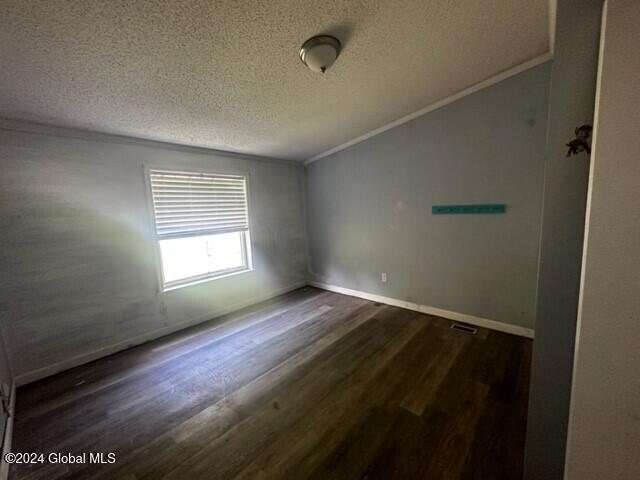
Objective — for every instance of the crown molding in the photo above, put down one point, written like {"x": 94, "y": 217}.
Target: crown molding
{"x": 534, "y": 62}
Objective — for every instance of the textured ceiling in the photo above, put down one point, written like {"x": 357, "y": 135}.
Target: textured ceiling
{"x": 226, "y": 74}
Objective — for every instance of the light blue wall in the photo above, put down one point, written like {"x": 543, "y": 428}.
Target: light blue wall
{"x": 369, "y": 206}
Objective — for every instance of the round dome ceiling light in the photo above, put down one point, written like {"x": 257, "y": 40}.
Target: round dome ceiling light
{"x": 318, "y": 53}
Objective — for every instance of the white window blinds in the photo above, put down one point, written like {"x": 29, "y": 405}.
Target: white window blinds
{"x": 188, "y": 204}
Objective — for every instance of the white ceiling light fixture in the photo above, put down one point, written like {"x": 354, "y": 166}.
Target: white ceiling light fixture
{"x": 320, "y": 52}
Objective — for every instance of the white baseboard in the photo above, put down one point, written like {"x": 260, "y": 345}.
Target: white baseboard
{"x": 438, "y": 312}
{"x": 8, "y": 433}
{"x": 34, "y": 375}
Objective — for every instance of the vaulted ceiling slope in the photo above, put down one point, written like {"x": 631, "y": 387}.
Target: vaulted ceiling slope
{"x": 226, "y": 74}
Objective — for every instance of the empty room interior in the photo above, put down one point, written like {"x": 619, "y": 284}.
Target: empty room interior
{"x": 296, "y": 239}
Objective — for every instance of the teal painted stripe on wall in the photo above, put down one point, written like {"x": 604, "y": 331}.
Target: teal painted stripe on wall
{"x": 453, "y": 209}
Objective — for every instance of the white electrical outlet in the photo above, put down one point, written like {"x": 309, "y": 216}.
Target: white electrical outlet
{"x": 383, "y": 277}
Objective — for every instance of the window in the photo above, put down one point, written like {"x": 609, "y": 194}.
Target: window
{"x": 202, "y": 225}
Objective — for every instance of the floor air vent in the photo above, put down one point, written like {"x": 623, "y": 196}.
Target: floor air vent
{"x": 464, "y": 328}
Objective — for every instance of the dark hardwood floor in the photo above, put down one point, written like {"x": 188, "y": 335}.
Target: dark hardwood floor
{"x": 311, "y": 384}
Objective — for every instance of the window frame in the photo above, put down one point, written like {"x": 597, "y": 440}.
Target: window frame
{"x": 247, "y": 250}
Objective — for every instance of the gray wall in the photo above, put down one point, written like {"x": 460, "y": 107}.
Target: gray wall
{"x": 572, "y": 96}
{"x": 369, "y": 206}
{"x": 6, "y": 380}
{"x": 604, "y": 428}
{"x": 6, "y": 374}
{"x": 77, "y": 265}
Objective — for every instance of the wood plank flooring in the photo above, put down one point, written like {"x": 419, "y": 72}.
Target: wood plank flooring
{"x": 310, "y": 385}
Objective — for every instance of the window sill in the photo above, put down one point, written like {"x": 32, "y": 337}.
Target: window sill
{"x": 191, "y": 283}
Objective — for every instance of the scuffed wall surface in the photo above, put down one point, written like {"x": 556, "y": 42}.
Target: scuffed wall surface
{"x": 78, "y": 269}
{"x": 571, "y": 99}
{"x": 604, "y": 426}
